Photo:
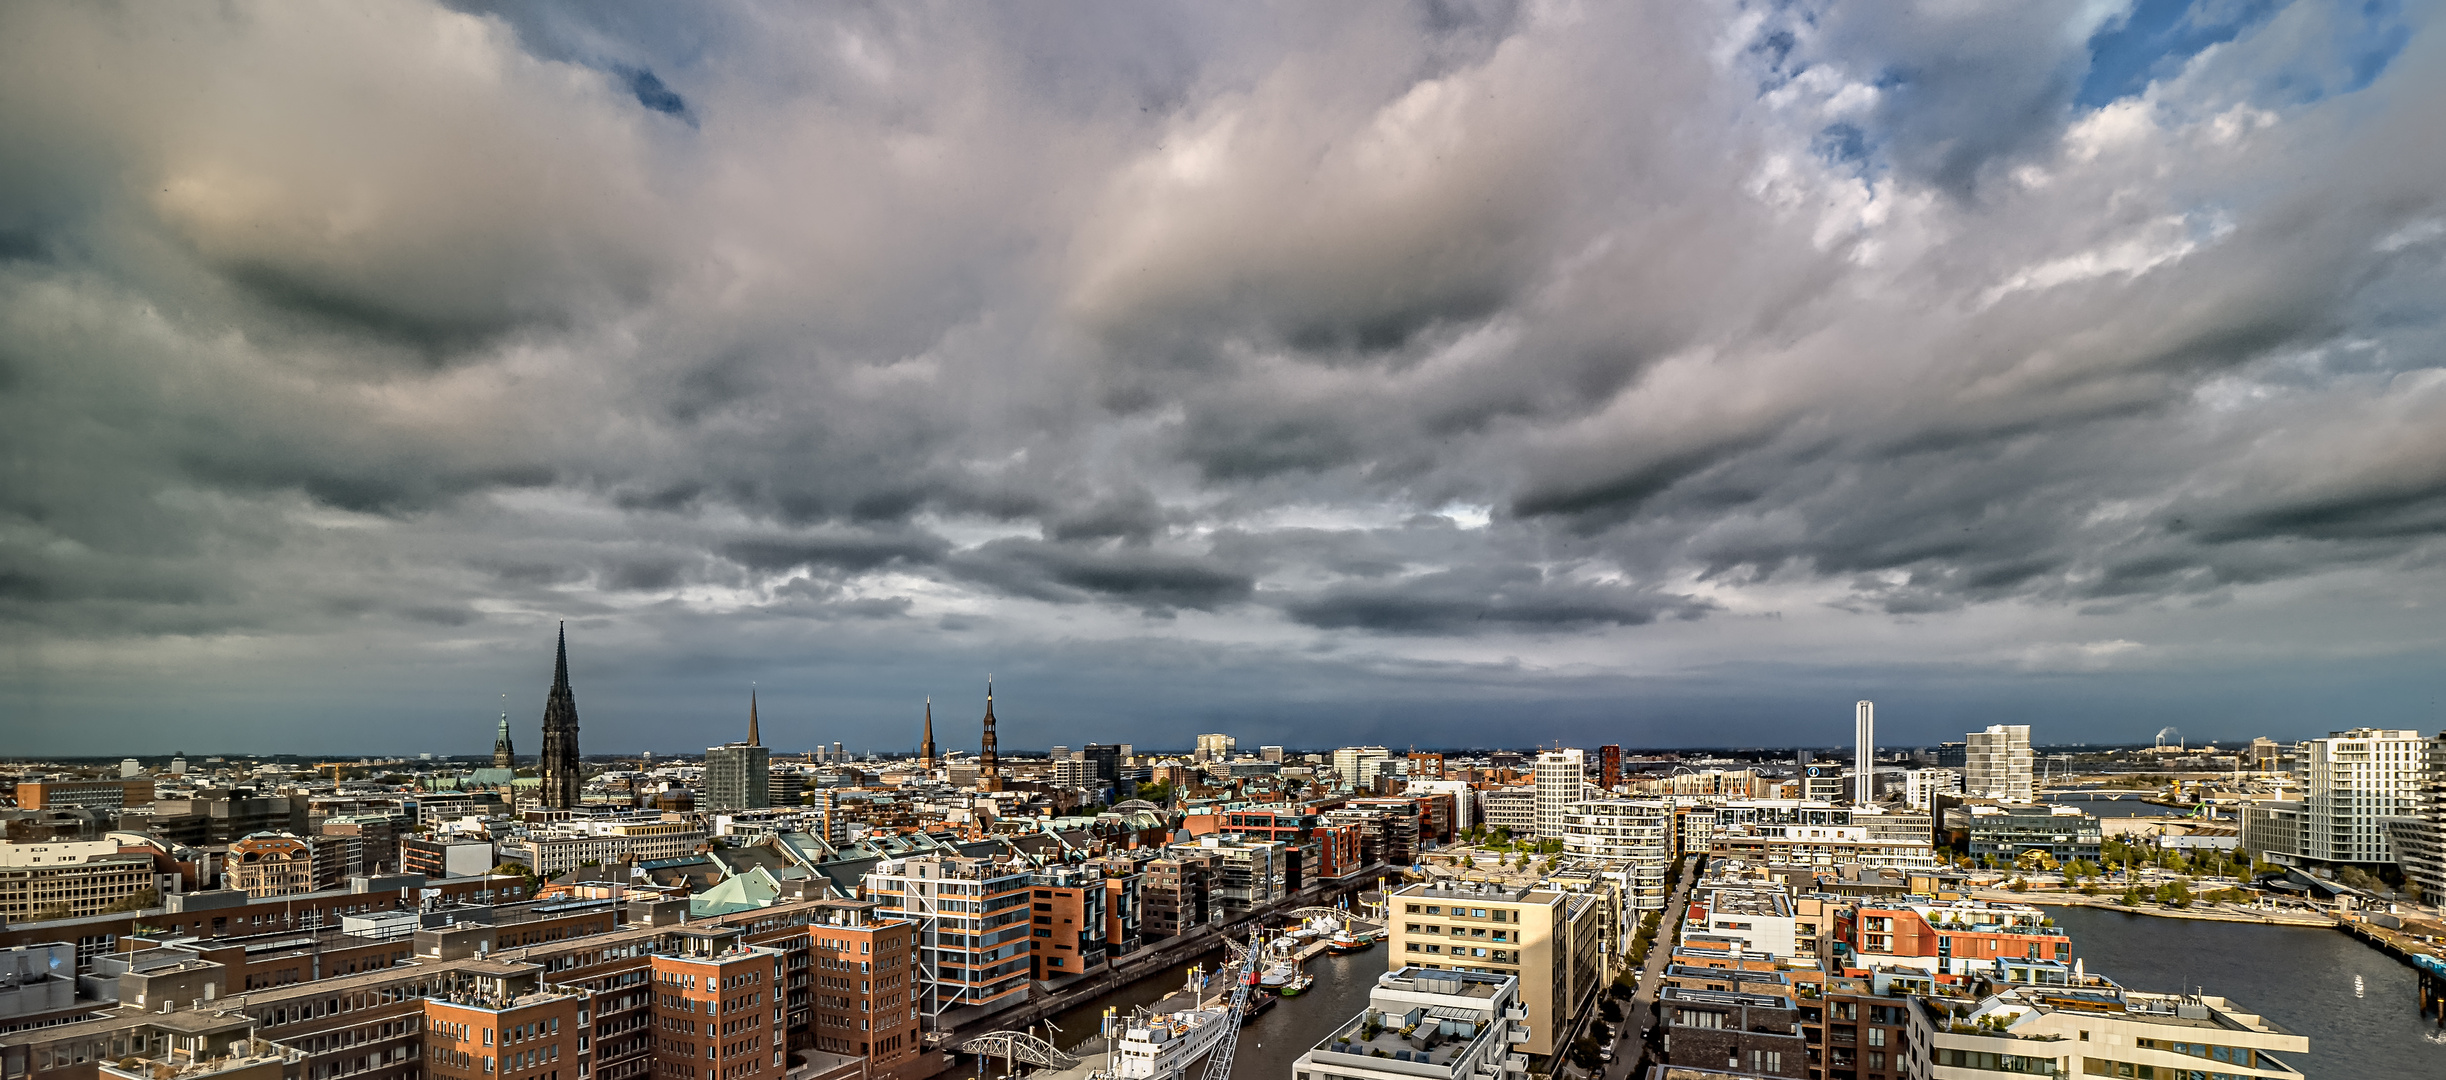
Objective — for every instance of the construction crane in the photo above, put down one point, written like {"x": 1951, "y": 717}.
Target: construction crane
{"x": 1218, "y": 1063}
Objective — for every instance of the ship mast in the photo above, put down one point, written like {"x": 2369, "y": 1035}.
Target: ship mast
{"x": 1218, "y": 1064}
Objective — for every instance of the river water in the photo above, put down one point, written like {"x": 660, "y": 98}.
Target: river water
{"x": 1270, "y": 1043}
{"x": 2360, "y": 1007}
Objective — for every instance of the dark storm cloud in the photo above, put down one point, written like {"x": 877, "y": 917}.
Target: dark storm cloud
{"x": 2008, "y": 336}
{"x": 1459, "y": 601}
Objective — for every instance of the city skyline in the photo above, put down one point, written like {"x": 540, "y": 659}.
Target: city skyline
{"x": 1661, "y": 375}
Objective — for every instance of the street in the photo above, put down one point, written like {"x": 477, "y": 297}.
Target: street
{"x": 1630, "y": 1043}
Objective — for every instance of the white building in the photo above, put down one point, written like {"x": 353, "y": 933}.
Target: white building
{"x": 1421, "y": 1023}
{"x": 2419, "y": 839}
{"x": 1358, "y": 766}
{"x": 1634, "y": 834}
{"x": 1996, "y": 763}
{"x": 1464, "y": 801}
{"x": 1562, "y": 782}
{"x": 1214, "y": 748}
{"x": 2097, "y": 1029}
{"x": 1864, "y": 768}
{"x": 1920, "y": 787}
{"x": 2357, "y": 780}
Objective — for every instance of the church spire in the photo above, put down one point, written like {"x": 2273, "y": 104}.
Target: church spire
{"x": 564, "y": 774}
{"x": 753, "y": 737}
{"x": 925, "y": 749}
{"x": 988, "y": 763}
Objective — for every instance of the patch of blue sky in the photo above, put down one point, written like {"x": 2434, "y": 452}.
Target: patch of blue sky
{"x": 2155, "y": 38}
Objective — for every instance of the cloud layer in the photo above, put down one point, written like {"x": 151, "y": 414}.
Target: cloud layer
{"x": 1560, "y": 350}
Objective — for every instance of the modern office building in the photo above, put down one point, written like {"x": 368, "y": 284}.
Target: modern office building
{"x": 2355, "y": 781}
{"x": 739, "y": 776}
{"x": 2065, "y": 833}
{"x": 1996, "y": 763}
{"x": 1562, "y": 782}
{"x": 1609, "y": 766}
{"x": 1513, "y": 809}
{"x": 1864, "y": 758}
{"x": 972, "y": 926}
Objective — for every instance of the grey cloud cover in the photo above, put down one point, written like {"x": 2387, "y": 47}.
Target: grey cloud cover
{"x": 1663, "y": 373}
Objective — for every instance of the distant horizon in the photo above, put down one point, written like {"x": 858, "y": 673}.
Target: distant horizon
{"x": 1838, "y": 754}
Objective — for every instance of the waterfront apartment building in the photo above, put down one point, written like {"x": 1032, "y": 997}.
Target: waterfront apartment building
{"x": 1800, "y": 832}
{"x": 1551, "y": 940}
{"x": 1177, "y": 895}
{"x": 1431, "y": 1022}
{"x": 2419, "y": 838}
{"x": 2103, "y": 1030}
{"x": 973, "y": 920}
{"x": 1248, "y": 874}
{"x": 1996, "y": 763}
{"x": 1561, "y": 783}
{"x": 2006, "y": 833}
{"x": 1634, "y": 834}
{"x": 2355, "y": 781}
{"x": 1067, "y": 924}
{"x": 1962, "y": 937}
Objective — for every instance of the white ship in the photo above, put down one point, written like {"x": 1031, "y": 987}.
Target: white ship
{"x": 1163, "y": 1044}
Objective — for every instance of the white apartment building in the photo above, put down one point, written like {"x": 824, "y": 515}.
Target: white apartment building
{"x": 2420, "y": 838}
{"x": 1358, "y": 766}
{"x": 1428, "y": 1023}
{"x": 1464, "y": 801}
{"x": 2357, "y": 780}
{"x": 1634, "y": 834}
{"x": 1562, "y": 783}
{"x": 2099, "y": 1029}
{"x": 1920, "y": 787}
{"x": 1996, "y": 763}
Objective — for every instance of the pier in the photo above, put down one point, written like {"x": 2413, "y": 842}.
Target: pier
{"x": 2427, "y": 966}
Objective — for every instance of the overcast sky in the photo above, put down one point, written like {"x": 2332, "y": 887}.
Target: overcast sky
{"x": 1667, "y": 374}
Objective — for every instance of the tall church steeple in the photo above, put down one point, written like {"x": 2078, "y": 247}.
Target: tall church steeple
{"x": 753, "y": 738}
{"x": 563, "y": 774}
{"x": 989, "y": 773}
{"x": 925, "y": 749}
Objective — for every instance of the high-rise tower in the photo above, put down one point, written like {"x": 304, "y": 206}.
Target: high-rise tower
{"x": 925, "y": 750}
{"x": 989, "y": 773}
{"x": 563, "y": 776}
{"x": 739, "y": 776}
{"x": 1864, "y": 766}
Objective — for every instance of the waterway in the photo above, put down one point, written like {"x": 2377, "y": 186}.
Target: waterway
{"x": 1275, "y": 1039}
{"x": 2359, "y": 1007}
{"x": 2127, "y": 806}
